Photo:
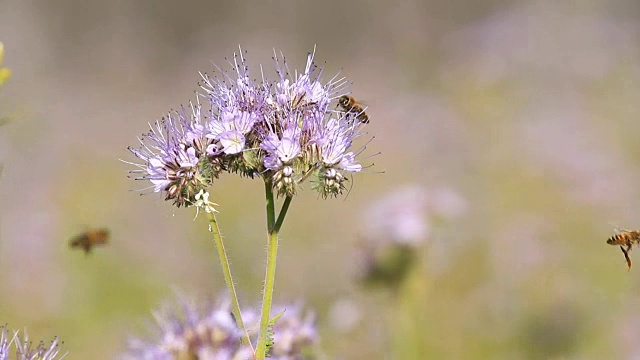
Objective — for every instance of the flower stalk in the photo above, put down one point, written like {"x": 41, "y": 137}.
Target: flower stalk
{"x": 272, "y": 251}
{"x": 270, "y": 275}
{"x": 228, "y": 279}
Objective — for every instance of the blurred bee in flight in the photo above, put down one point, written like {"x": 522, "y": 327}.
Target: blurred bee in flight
{"x": 625, "y": 239}
{"x": 90, "y": 238}
{"x": 353, "y": 107}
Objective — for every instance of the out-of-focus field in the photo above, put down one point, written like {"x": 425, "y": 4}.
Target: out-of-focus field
{"x": 528, "y": 111}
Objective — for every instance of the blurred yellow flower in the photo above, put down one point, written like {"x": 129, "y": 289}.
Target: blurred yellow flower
{"x": 4, "y": 72}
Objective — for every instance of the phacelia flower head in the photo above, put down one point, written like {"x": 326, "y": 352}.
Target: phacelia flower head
{"x": 174, "y": 155}
{"x": 285, "y": 130}
{"x": 213, "y": 334}
{"x": 23, "y": 348}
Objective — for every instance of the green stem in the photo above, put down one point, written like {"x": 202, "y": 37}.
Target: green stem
{"x": 283, "y": 213}
{"x": 271, "y": 210}
{"x": 226, "y": 269}
{"x": 269, "y": 283}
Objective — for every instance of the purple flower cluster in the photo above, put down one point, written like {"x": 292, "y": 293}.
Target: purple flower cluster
{"x": 285, "y": 131}
{"x": 213, "y": 334}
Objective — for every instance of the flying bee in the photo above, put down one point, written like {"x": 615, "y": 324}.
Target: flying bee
{"x": 625, "y": 239}
{"x": 90, "y": 238}
{"x": 352, "y": 106}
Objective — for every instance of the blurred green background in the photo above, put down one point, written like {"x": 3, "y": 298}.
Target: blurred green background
{"x": 526, "y": 111}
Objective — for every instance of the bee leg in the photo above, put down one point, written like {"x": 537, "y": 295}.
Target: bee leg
{"x": 626, "y": 256}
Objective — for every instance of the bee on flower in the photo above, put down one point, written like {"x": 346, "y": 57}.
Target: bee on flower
{"x": 283, "y": 130}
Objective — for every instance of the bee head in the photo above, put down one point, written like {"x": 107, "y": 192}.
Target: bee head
{"x": 343, "y": 101}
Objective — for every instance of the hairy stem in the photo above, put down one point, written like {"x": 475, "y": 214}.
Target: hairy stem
{"x": 271, "y": 208}
{"x": 228, "y": 279}
{"x": 273, "y": 228}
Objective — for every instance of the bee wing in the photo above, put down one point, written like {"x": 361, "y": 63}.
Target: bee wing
{"x": 617, "y": 228}
{"x": 75, "y": 241}
{"x": 105, "y": 234}
{"x": 362, "y": 104}
{"x": 103, "y": 241}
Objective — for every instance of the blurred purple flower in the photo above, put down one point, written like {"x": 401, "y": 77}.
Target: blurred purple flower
{"x": 24, "y": 349}
{"x": 398, "y": 225}
{"x": 213, "y": 334}
{"x": 294, "y": 333}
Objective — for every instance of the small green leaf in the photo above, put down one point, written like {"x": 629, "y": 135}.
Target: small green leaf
{"x": 271, "y": 333}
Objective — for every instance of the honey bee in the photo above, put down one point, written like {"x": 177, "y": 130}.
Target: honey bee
{"x": 351, "y": 106}
{"x": 90, "y": 238}
{"x": 625, "y": 239}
